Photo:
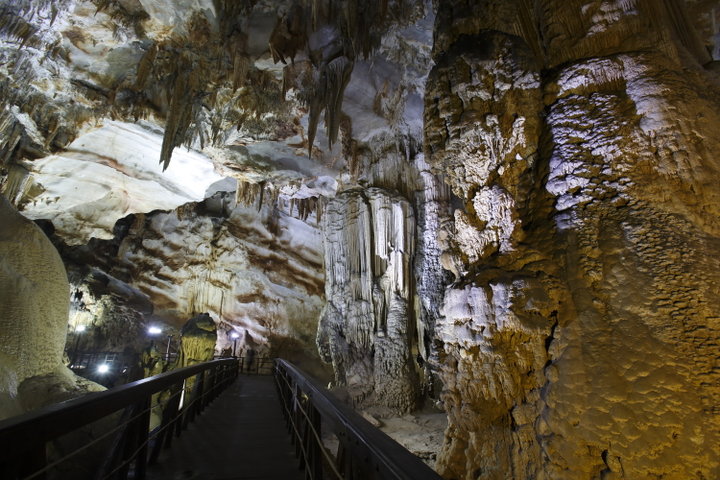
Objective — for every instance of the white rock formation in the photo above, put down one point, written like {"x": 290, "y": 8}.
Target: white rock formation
{"x": 107, "y": 174}
{"x": 364, "y": 330}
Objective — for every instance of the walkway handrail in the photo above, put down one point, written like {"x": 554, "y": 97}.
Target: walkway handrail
{"x": 25, "y": 436}
{"x": 364, "y": 451}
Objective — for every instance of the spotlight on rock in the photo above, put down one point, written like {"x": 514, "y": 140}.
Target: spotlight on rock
{"x": 234, "y": 336}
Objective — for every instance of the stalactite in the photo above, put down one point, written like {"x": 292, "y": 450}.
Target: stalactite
{"x": 289, "y": 35}
{"x": 359, "y": 26}
{"x": 331, "y": 78}
{"x": 368, "y": 251}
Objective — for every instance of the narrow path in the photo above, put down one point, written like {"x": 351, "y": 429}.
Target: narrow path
{"x": 240, "y": 436}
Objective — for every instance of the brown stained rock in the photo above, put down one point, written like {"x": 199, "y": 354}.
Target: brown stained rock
{"x": 198, "y": 339}
{"x": 580, "y": 337}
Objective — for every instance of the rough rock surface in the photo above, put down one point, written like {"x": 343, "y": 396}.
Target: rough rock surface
{"x": 35, "y": 299}
{"x": 34, "y": 303}
{"x": 251, "y": 271}
{"x": 197, "y": 345}
{"x": 580, "y": 339}
{"x": 564, "y": 190}
{"x": 364, "y": 330}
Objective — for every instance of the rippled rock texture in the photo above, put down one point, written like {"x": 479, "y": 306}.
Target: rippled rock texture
{"x": 580, "y": 335}
{"x": 34, "y": 301}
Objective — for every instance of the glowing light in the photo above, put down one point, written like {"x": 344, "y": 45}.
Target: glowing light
{"x": 154, "y": 330}
{"x": 80, "y": 328}
{"x": 234, "y": 335}
{"x": 103, "y": 368}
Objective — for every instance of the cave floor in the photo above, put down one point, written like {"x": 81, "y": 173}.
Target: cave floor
{"x": 240, "y": 436}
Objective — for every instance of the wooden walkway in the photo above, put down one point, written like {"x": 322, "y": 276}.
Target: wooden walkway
{"x": 240, "y": 436}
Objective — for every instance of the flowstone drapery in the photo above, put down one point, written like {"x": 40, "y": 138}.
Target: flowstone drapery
{"x": 365, "y": 329}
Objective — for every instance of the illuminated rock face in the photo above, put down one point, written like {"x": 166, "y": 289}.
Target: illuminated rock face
{"x": 364, "y": 329}
{"x": 254, "y": 272}
{"x": 108, "y": 174}
{"x": 199, "y": 336}
{"x": 574, "y": 139}
{"x": 580, "y": 338}
{"x": 34, "y": 300}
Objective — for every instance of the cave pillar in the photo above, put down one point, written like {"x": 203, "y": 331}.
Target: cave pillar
{"x": 579, "y": 338}
{"x": 365, "y": 329}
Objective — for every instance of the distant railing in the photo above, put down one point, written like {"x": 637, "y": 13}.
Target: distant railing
{"x": 364, "y": 452}
{"x": 253, "y": 365}
{"x": 257, "y": 366}
{"x": 25, "y": 440}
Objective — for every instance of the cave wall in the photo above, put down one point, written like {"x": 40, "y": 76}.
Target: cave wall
{"x": 253, "y": 271}
{"x": 579, "y": 336}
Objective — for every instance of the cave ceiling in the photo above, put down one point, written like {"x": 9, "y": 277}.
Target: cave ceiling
{"x": 130, "y": 106}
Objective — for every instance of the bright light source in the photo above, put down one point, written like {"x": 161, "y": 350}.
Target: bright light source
{"x": 103, "y": 368}
{"x": 80, "y": 328}
{"x": 154, "y": 330}
{"x": 234, "y": 335}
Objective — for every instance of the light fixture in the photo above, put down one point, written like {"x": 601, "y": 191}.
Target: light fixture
{"x": 154, "y": 330}
{"x": 80, "y": 328}
{"x": 103, "y": 368}
{"x": 234, "y": 335}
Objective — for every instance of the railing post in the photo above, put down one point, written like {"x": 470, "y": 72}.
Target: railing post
{"x": 143, "y": 427}
{"x": 314, "y": 464}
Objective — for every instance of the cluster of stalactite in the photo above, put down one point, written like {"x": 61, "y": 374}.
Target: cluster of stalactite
{"x": 192, "y": 71}
{"x": 31, "y": 125}
{"x": 257, "y": 194}
{"x": 306, "y": 207}
{"x": 334, "y": 34}
{"x": 200, "y": 78}
{"x": 249, "y": 193}
{"x": 16, "y": 22}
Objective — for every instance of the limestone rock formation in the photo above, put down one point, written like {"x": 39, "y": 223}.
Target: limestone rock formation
{"x": 34, "y": 307}
{"x": 578, "y": 336}
{"x": 364, "y": 330}
{"x": 33, "y": 318}
{"x": 510, "y": 203}
{"x": 197, "y": 344}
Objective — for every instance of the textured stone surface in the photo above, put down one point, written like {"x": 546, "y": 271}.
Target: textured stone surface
{"x": 364, "y": 328}
{"x": 34, "y": 303}
{"x": 579, "y": 336}
{"x": 541, "y": 245}
{"x": 108, "y": 174}
{"x": 35, "y": 300}
{"x": 249, "y": 271}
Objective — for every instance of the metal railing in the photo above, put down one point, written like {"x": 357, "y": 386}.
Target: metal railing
{"x": 257, "y": 366}
{"x": 253, "y": 365}
{"x": 178, "y": 396}
{"x": 364, "y": 452}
